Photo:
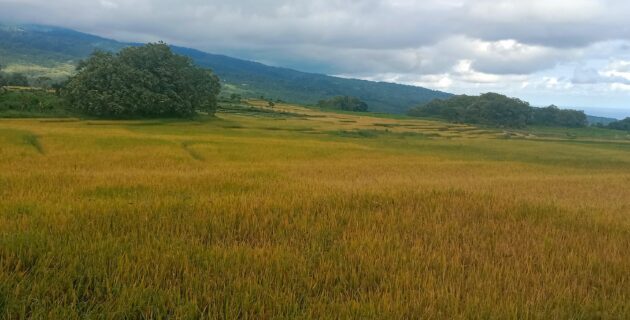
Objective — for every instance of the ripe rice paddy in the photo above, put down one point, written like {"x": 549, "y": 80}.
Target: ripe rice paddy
{"x": 295, "y": 213}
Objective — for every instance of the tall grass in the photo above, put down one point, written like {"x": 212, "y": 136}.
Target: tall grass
{"x": 204, "y": 220}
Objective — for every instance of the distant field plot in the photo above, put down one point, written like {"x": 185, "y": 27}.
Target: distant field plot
{"x": 289, "y": 212}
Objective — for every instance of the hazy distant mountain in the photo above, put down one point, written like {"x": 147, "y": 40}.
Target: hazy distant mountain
{"x": 41, "y": 46}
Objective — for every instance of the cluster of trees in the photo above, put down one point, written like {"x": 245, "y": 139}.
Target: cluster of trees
{"x": 31, "y": 103}
{"x": 344, "y": 103}
{"x": 146, "y": 81}
{"x": 498, "y": 110}
{"x": 554, "y": 116}
{"x": 13, "y": 79}
{"x": 17, "y": 79}
{"x": 620, "y": 125}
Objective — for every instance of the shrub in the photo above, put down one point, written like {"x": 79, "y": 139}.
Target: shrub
{"x": 344, "y": 103}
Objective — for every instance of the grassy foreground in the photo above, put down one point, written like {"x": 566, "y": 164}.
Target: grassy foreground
{"x": 291, "y": 213}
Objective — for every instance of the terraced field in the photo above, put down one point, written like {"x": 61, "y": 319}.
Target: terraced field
{"x": 291, "y": 212}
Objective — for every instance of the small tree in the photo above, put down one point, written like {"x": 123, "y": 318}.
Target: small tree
{"x": 146, "y": 81}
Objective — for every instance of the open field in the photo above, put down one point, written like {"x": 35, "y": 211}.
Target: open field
{"x": 294, "y": 213}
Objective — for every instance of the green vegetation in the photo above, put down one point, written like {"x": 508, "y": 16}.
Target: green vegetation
{"x": 147, "y": 81}
{"x": 310, "y": 214}
{"x": 344, "y": 103}
{"x": 31, "y": 103}
{"x": 48, "y": 46}
{"x": 251, "y": 80}
{"x": 553, "y": 116}
{"x": 498, "y": 110}
{"x": 13, "y": 79}
{"x": 620, "y": 125}
{"x": 599, "y": 121}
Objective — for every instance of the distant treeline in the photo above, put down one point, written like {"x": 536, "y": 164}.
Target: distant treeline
{"x": 16, "y": 79}
{"x": 13, "y": 79}
{"x": 31, "y": 103}
{"x": 344, "y": 103}
{"x": 620, "y": 125}
{"x": 498, "y": 110}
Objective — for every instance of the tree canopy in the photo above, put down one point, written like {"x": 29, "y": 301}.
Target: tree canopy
{"x": 620, "y": 125}
{"x": 146, "y": 81}
{"x": 554, "y": 116}
{"x": 344, "y": 103}
{"x": 498, "y": 110}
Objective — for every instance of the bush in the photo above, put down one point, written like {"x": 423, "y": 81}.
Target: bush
{"x": 344, "y": 103}
{"x": 147, "y": 81}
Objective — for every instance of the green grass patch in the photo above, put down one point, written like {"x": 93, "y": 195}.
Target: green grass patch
{"x": 32, "y": 104}
{"x": 33, "y": 141}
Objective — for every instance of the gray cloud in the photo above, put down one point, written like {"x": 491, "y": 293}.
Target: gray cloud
{"x": 350, "y": 23}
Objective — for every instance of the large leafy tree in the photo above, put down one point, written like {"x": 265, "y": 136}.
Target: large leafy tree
{"x": 146, "y": 81}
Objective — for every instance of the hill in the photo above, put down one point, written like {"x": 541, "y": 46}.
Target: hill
{"x": 52, "y": 51}
{"x": 600, "y": 120}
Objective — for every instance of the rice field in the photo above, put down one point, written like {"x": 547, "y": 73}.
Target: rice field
{"x": 289, "y": 212}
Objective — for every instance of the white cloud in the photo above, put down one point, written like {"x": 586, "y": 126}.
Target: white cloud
{"x": 108, "y": 4}
{"x": 618, "y": 69}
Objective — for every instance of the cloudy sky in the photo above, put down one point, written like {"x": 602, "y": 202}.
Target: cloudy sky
{"x": 573, "y": 53}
